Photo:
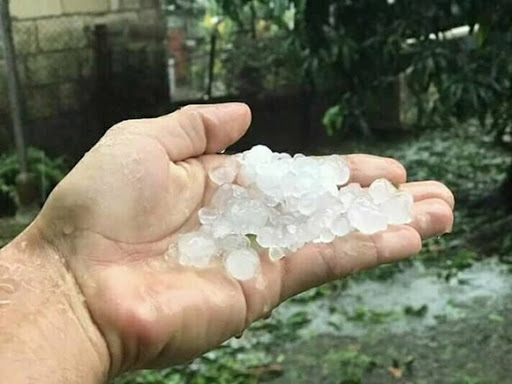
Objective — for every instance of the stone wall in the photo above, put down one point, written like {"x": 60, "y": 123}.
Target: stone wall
{"x": 55, "y": 48}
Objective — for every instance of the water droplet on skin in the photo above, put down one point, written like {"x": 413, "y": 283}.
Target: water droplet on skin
{"x": 68, "y": 229}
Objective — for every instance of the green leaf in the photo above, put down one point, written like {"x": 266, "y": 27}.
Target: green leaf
{"x": 333, "y": 119}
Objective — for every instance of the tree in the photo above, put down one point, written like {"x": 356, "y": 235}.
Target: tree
{"x": 360, "y": 47}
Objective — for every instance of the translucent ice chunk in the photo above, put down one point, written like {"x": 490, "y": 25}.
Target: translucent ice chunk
{"x": 303, "y": 184}
{"x": 366, "y": 217}
{"x": 258, "y": 154}
{"x": 247, "y": 175}
{"x": 269, "y": 180}
{"x": 328, "y": 202}
{"x": 307, "y": 204}
{"x": 291, "y": 228}
{"x": 220, "y": 199}
{"x": 398, "y": 209}
{"x": 196, "y": 249}
{"x": 224, "y": 174}
{"x": 314, "y": 226}
{"x": 207, "y": 216}
{"x": 326, "y": 236}
{"x": 381, "y": 190}
{"x": 265, "y": 237}
{"x": 276, "y": 253}
{"x": 242, "y": 264}
{"x": 334, "y": 170}
{"x": 281, "y": 156}
{"x": 222, "y": 228}
{"x": 233, "y": 242}
{"x": 340, "y": 226}
{"x": 247, "y": 215}
{"x": 349, "y": 193}
{"x": 328, "y": 217}
{"x": 270, "y": 201}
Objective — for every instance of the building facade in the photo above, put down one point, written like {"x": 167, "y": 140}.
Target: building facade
{"x": 69, "y": 53}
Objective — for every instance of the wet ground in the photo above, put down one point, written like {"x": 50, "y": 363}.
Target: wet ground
{"x": 414, "y": 328}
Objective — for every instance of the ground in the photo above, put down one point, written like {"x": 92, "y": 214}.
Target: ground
{"x": 442, "y": 317}
{"x": 413, "y": 328}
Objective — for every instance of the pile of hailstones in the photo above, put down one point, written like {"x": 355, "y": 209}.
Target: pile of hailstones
{"x": 283, "y": 203}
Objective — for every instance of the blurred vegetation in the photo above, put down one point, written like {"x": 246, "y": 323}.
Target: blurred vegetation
{"x": 48, "y": 171}
{"x": 253, "y": 53}
{"x": 361, "y": 48}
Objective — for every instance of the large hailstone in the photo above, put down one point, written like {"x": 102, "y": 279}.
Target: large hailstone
{"x": 242, "y": 264}
{"x": 196, "y": 249}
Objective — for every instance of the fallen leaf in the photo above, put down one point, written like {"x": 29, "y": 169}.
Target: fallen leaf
{"x": 395, "y": 372}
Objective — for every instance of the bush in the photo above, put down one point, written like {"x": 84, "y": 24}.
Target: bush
{"x": 48, "y": 171}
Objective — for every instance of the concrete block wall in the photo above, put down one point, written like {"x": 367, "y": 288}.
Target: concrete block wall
{"x": 55, "y": 52}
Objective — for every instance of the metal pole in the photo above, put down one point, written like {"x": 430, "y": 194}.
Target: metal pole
{"x": 13, "y": 82}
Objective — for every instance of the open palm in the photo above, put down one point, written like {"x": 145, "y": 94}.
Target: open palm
{"x": 114, "y": 216}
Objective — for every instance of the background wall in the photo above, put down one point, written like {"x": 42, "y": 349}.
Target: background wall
{"x": 57, "y": 55}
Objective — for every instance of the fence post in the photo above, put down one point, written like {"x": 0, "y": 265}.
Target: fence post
{"x": 13, "y": 81}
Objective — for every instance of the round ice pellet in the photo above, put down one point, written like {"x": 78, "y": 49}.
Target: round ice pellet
{"x": 242, "y": 264}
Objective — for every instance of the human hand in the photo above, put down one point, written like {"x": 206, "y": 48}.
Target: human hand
{"x": 114, "y": 216}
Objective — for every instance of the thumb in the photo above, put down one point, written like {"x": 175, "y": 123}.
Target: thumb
{"x": 195, "y": 129}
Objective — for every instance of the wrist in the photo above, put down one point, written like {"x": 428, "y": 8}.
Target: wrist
{"x": 45, "y": 328}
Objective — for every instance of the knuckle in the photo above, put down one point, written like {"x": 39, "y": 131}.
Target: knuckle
{"x": 373, "y": 250}
{"x": 329, "y": 256}
{"x": 120, "y": 128}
